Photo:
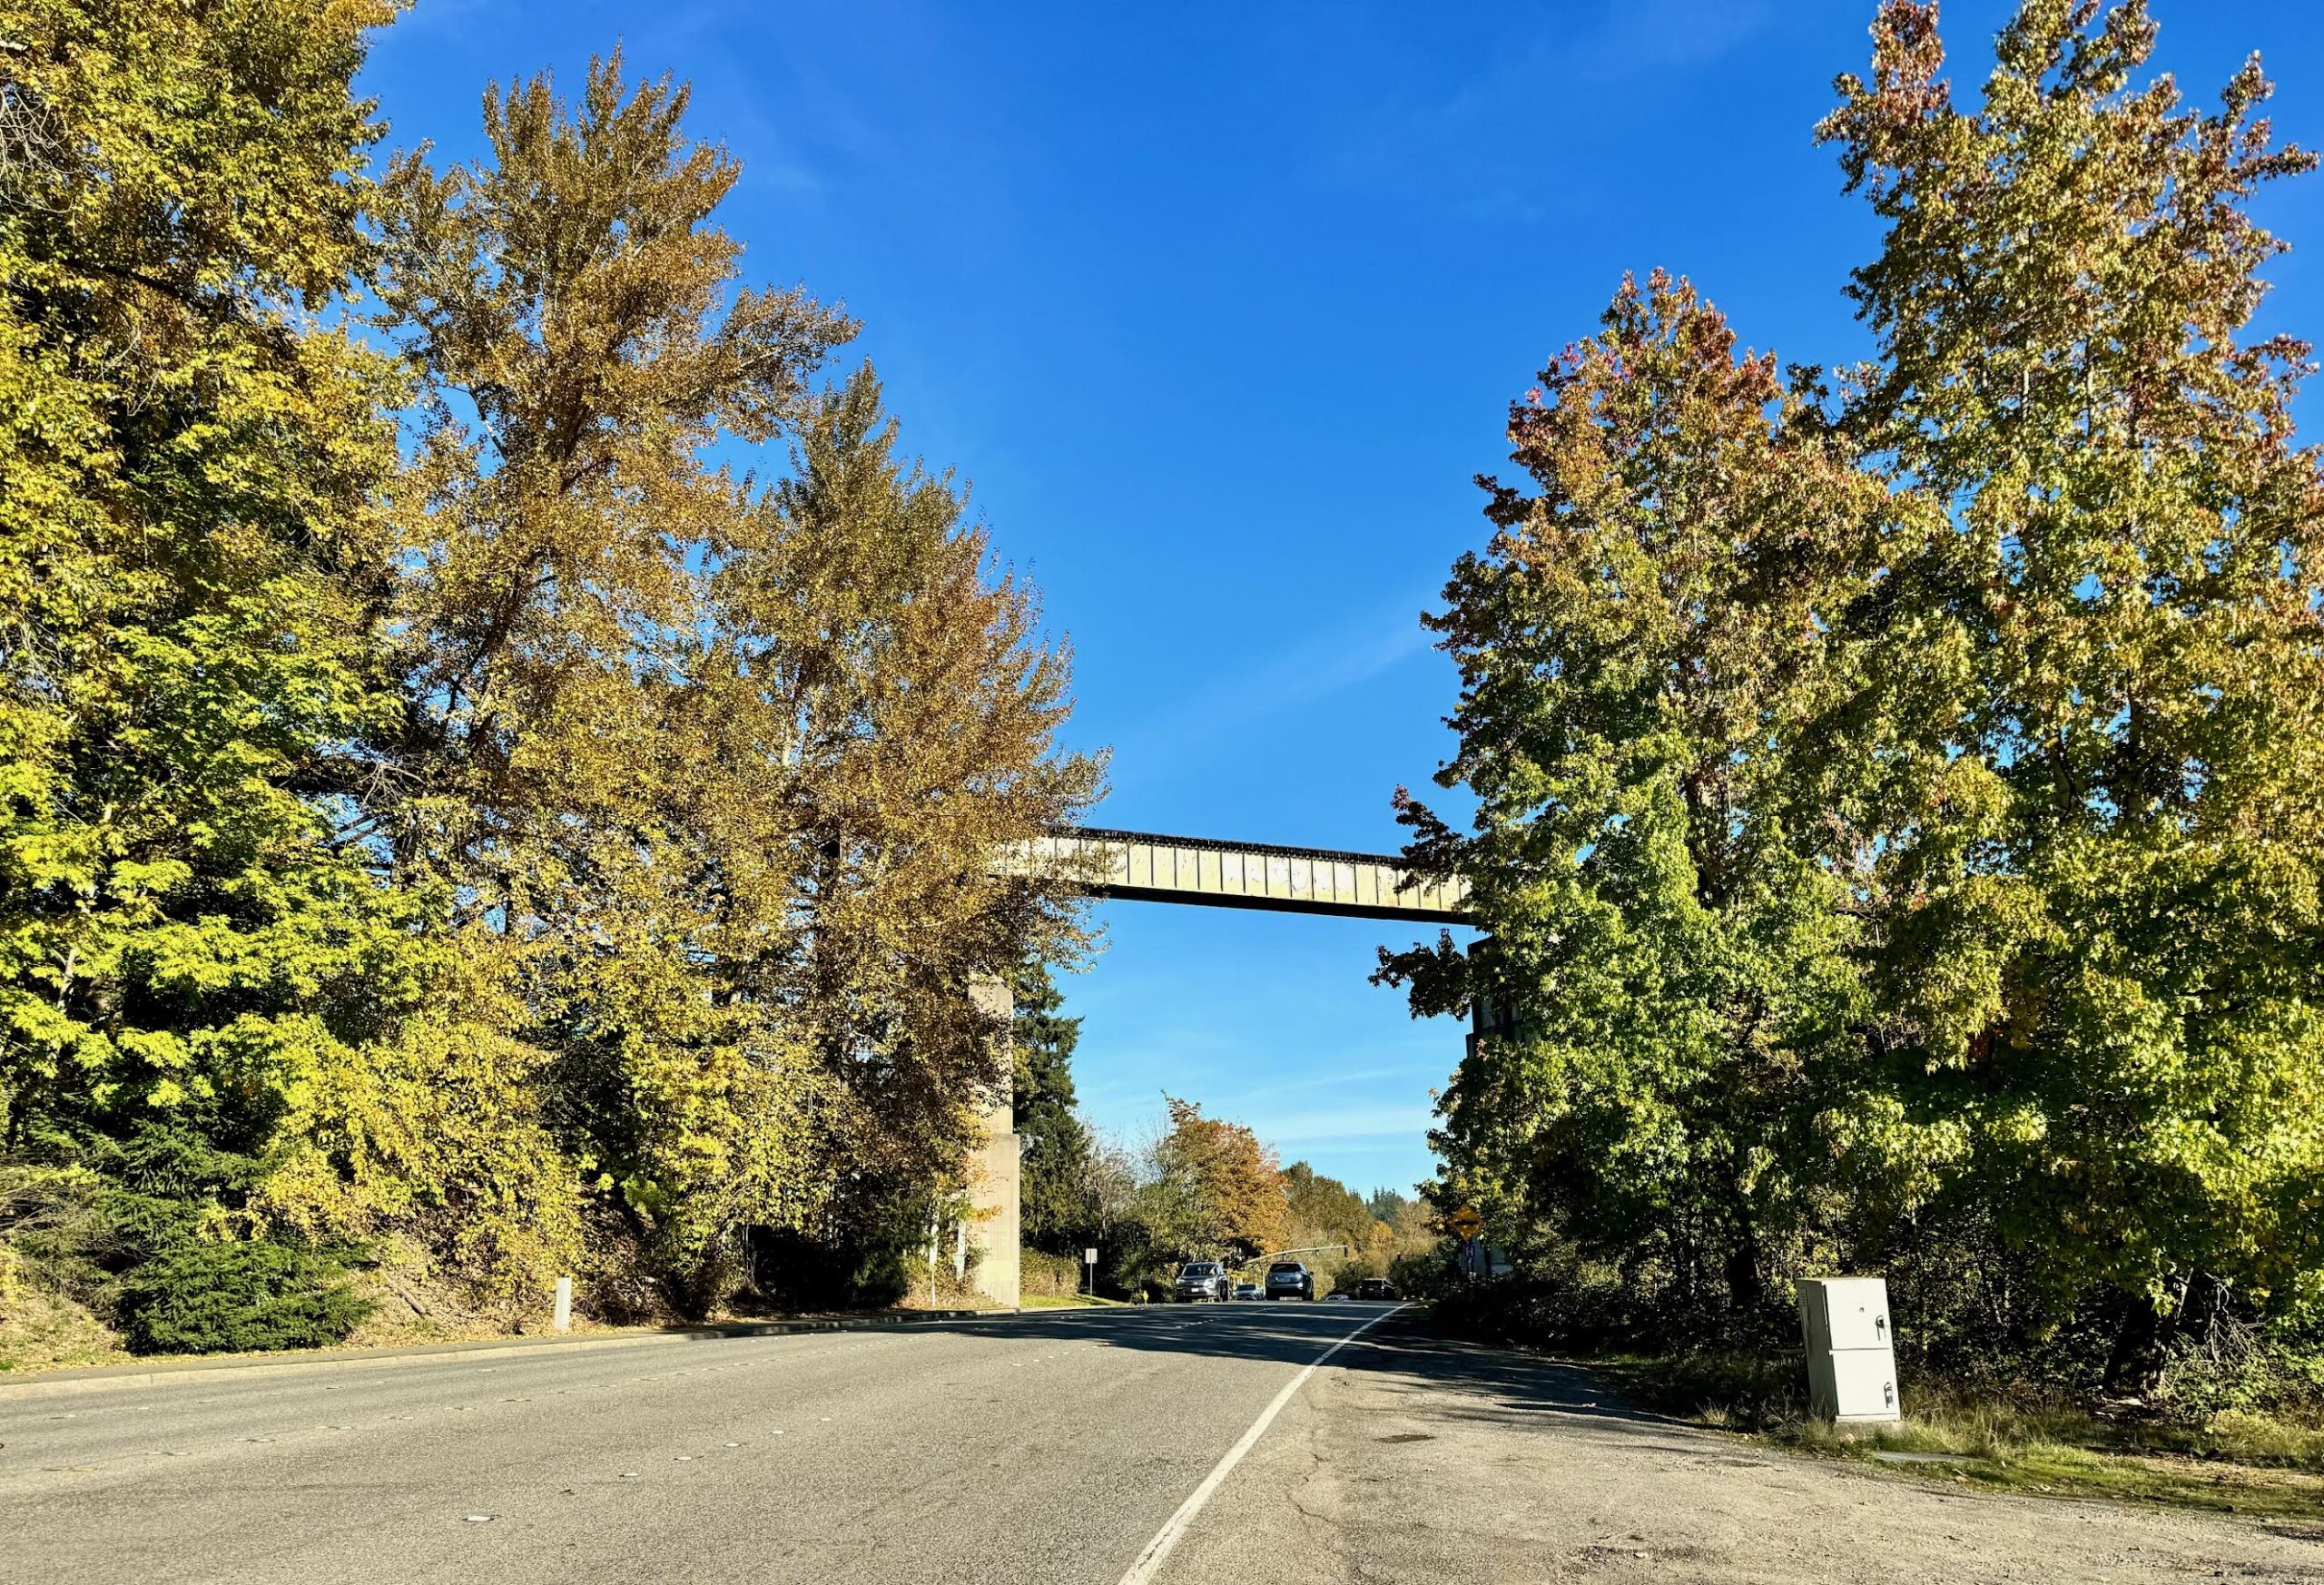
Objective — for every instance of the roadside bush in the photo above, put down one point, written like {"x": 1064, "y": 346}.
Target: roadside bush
{"x": 1422, "y": 1276}
{"x": 54, "y": 1230}
{"x": 218, "y": 1298}
{"x": 2239, "y": 1369}
{"x": 1741, "y": 1392}
{"x": 792, "y": 1270}
{"x": 1059, "y": 1275}
{"x": 1131, "y": 1272}
{"x": 1564, "y": 1310}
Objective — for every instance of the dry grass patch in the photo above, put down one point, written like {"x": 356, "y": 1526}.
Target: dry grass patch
{"x": 2234, "y": 1462}
{"x": 39, "y": 1331}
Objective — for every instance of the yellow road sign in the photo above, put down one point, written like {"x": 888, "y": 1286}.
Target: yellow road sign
{"x": 1465, "y": 1223}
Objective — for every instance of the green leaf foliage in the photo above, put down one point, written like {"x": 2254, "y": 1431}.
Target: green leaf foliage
{"x": 191, "y": 466}
{"x": 1054, "y": 1144}
{"x": 441, "y": 804}
{"x": 239, "y": 1298}
{"x": 2109, "y": 968}
{"x": 1901, "y": 796}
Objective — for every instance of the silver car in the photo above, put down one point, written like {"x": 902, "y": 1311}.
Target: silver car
{"x": 1201, "y": 1282}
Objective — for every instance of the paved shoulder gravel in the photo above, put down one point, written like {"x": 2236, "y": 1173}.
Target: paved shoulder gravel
{"x": 1424, "y": 1460}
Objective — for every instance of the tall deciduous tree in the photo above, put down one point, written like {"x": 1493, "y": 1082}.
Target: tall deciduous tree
{"x": 190, "y": 543}
{"x": 1214, "y": 1188}
{"x": 2106, "y": 963}
{"x": 572, "y": 312}
{"x": 885, "y": 712}
{"x": 1901, "y": 809}
{"x": 1323, "y": 1210}
{"x": 713, "y": 772}
{"x": 1646, "y": 682}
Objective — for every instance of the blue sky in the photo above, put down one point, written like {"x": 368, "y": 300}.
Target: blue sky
{"x": 1219, "y": 308}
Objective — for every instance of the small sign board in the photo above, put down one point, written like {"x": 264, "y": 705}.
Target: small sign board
{"x": 1089, "y": 1257}
{"x": 1465, "y": 1223}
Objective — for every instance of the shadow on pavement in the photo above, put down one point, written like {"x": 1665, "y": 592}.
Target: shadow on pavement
{"x": 1495, "y": 1385}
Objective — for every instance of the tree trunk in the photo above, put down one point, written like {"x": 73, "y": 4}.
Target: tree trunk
{"x": 2192, "y": 1304}
{"x": 1744, "y": 1289}
{"x": 2141, "y": 1348}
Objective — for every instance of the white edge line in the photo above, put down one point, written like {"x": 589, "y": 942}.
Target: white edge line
{"x": 1165, "y": 1540}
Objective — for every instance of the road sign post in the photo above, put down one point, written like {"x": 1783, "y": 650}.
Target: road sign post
{"x": 1466, "y": 1224}
{"x": 1089, "y": 1259}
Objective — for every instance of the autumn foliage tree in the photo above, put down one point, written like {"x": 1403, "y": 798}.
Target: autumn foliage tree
{"x": 1214, "y": 1191}
{"x": 711, "y": 768}
{"x": 537, "y": 846}
{"x": 1898, "y": 797}
{"x": 1649, "y": 699}
{"x": 191, "y": 458}
{"x": 2104, "y": 963}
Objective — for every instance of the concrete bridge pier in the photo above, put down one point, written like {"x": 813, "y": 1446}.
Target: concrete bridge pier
{"x": 994, "y": 1182}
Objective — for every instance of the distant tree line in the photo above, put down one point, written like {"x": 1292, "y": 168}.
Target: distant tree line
{"x": 457, "y": 813}
{"x": 1900, "y": 789}
{"x": 1201, "y": 1188}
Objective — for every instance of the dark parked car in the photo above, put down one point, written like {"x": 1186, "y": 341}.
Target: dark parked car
{"x": 1375, "y": 1288}
{"x": 1287, "y": 1279}
{"x": 1201, "y": 1282}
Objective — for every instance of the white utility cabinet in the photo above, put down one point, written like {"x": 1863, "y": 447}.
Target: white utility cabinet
{"x": 1851, "y": 1349}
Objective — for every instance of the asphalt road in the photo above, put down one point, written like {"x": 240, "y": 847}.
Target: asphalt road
{"x": 1097, "y": 1446}
{"x": 1047, "y": 1446}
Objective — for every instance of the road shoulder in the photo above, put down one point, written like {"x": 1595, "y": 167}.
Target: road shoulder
{"x": 156, "y": 1373}
{"x": 1414, "y": 1457}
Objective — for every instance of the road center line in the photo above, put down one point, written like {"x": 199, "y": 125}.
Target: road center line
{"x": 1165, "y": 1540}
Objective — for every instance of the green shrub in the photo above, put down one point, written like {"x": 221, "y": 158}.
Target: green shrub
{"x": 219, "y": 1299}
{"x": 1563, "y": 1311}
{"x": 1741, "y": 1392}
{"x": 1424, "y": 1276}
{"x": 1040, "y": 1273}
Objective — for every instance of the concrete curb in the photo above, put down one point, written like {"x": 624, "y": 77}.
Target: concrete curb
{"x": 122, "y": 1378}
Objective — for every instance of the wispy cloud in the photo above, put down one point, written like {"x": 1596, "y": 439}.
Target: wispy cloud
{"x": 1472, "y": 146}
{"x": 1345, "y": 1124}
{"x": 1637, "y": 36}
{"x": 1320, "y": 665}
{"x": 1342, "y": 1077}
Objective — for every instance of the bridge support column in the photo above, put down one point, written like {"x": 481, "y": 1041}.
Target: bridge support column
{"x": 993, "y": 1187}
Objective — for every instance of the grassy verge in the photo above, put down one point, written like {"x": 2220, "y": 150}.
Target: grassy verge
{"x": 2237, "y": 1461}
{"x": 41, "y": 1333}
{"x": 1064, "y": 1302}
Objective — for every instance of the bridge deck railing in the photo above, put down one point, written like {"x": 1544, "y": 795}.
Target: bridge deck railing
{"x": 1153, "y": 868}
